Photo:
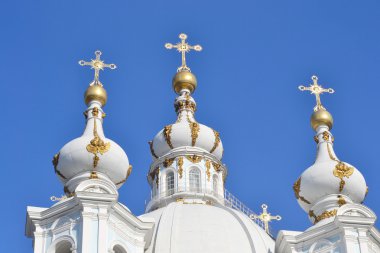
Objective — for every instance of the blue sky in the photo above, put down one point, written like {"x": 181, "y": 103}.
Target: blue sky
{"x": 256, "y": 54}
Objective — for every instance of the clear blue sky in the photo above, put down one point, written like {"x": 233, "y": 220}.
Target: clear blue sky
{"x": 256, "y": 53}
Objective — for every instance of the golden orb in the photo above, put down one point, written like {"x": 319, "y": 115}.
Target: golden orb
{"x": 184, "y": 80}
{"x": 321, "y": 117}
{"x": 95, "y": 92}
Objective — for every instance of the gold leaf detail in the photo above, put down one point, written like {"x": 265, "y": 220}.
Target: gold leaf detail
{"x": 167, "y": 132}
{"x": 341, "y": 201}
{"x": 129, "y": 171}
{"x": 324, "y": 215}
{"x": 342, "y": 170}
{"x": 155, "y": 175}
{"x": 168, "y": 162}
{"x": 297, "y": 189}
{"x": 180, "y": 164}
{"x": 208, "y": 166}
{"x": 326, "y": 135}
{"x": 217, "y": 141}
{"x": 366, "y": 192}
{"x": 97, "y": 146}
{"x": 194, "y": 158}
{"x": 316, "y": 139}
{"x": 95, "y": 112}
{"x": 55, "y": 164}
{"x": 93, "y": 175}
{"x": 185, "y": 105}
{"x": 151, "y": 149}
{"x": 194, "y": 127}
{"x": 216, "y": 166}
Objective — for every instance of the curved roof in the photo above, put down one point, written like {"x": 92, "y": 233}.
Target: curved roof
{"x": 189, "y": 228}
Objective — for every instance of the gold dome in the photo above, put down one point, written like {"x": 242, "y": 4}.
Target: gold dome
{"x": 95, "y": 92}
{"x": 321, "y": 117}
{"x": 184, "y": 80}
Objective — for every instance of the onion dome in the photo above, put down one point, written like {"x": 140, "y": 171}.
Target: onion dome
{"x": 186, "y": 131}
{"x": 92, "y": 155}
{"x": 329, "y": 183}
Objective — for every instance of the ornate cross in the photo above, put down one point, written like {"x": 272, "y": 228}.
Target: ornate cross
{"x": 97, "y": 65}
{"x": 265, "y": 217}
{"x": 317, "y": 90}
{"x": 183, "y": 47}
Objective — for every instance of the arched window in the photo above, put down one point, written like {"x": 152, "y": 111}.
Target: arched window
{"x": 63, "y": 247}
{"x": 195, "y": 180}
{"x": 118, "y": 249}
{"x": 215, "y": 184}
{"x": 170, "y": 183}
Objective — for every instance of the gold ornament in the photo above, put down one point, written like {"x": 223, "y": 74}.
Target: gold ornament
{"x": 93, "y": 175}
{"x": 180, "y": 164}
{"x": 129, "y": 171}
{"x": 168, "y": 162}
{"x": 216, "y": 166}
{"x": 194, "y": 127}
{"x": 167, "y": 132}
{"x": 342, "y": 170}
{"x": 208, "y": 166}
{"x": 324, "y": 215}
{"x": 55, "y": 164}
{"x": 297, "y": 189}
{"x": 151, "y": 149}
{"x": 216, "y": 142}
{"x": 341, "y": 201}
{"x": 194, "y": 158}
{"x": 97, "y": 146}
{"x": 265, "y": 217}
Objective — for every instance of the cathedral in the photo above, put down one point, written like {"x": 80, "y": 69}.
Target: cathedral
{"x": 190, "y": 211}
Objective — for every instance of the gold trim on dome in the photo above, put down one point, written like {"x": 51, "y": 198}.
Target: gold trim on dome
{"x": 316, "y": 139}
{"x": 179, "y": 166}
{"x": 167, "y": 132}
{"x": 217, "y": 141}
{"x": 194, "y": 158}
{"x": 129, "y": 171}
{"x": 330, "y": 154}
{"x": 185, "y": 105}
{"x": 95, "y": 112}
{"x": 97, "y": 146}
{"x": 366, "y": 192}
{"x": 93, "y": 175}
{"x": 341, "y": 201}
{"x": 167, "y": 162}
{"x": 322, "y": 216}
{"x": 55, "y": 164}
{"x": 216, "y": 166}
{"x": 342, "y": 170}
{"x": 194, "y": 127}
{"x": 297, "y": 190}
{"x": 326, "y": 135}
{"x": 208, "y": 173}
{"x": 67, "y": 192}
{"x": 151, "y": 149}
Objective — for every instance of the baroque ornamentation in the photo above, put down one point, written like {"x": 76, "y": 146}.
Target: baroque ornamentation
{"x": 129, "y": 171}
{"x": 216, "y": 142}
{"x": 93, "y": 175}
{"x": 179, "y": 165}
{"x": 316, "y": 139}
{"x": 155, "y": 175}
{"x": 297, "y": 189}
{"x": 97, "y": 146}
{"x": 194, "y": 127}
{"x": 168, "y": 162}
{"x": 167, "y": 132}
{"x": 341, "y": 201}
{"x": 185, "y": 105}
{"x": 342, "y": 170}
{"x": 208, "y": 166}
{"x": 324, "y": 215}
{"x": 55, "y": 164}
{"x": 326, "y": 135}
{"x": 216, "y": 166}
{"x": 194, "y": 158}
{"x": 95, "y": 111}
{"x": 151, "y": 149}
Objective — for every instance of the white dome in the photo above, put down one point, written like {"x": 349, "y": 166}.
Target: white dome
{"x": 189, "y": 228}
{"x": 76, "y": 157}
{"x": 186, "y": 132}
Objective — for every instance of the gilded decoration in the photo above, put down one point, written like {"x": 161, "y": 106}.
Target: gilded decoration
{"x": 341, "y": 201}
{"x": 129, "y": 171}
{"x": 194, "y": 158}
{"x": 93, "y": 175}
{"x": 167, "y": 132}
{"x": 194, "y": 132}
{"x": 297, "y": 189}
{"x": 326, "y": 135}
{"x": 151, "y": 149}
{"x": 317, "y": 90}
{"x": 95, "y": 112}
{"x": 67, "y": 192}
{"x": 168, "y": 162}
{"x": 217, "y": 141}
{"x": 366, "y": 192}
{"x": 185, "y": 105}
{"x": 55, "y": 164}
{"x": 342, "y": 170}
{"x": 208, "y": 166}
{"x": 216, "y": 166}
{"x": 97, "y": 146}
{"x": 180, "y": 166}
{"x": 316, "y": 139}
{"x": 155, "y": 175}
{"x": 324, "y": 215}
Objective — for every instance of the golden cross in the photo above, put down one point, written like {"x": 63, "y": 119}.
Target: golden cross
{"x": 265, "y": 217}
{"x": 183, "y": 47}
{"x": 97, "y": 65}
{"x": 317, "y": 90}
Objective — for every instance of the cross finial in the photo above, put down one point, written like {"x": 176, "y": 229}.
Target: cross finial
{"x": 317, "y": 90}
{"x": 97, "y": 65}
{"x": 265, "y": 217}
{"x": 183, "y": 47}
